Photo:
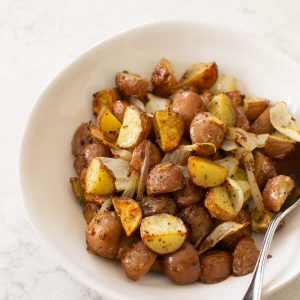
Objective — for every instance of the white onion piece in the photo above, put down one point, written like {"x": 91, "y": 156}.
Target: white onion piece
{"x": 230, "y": 163}
{"x": 198, "y": 147}
{"x": 132, "y": 185}
{"x": 106, "y": 205}
{"x": 156, "y": 103}
{"x": 176, "y": 157}
{"x": 225, "y": 83}
{"x": 122, "y": 154}
{"x": 138, "y": 103}
{"x": 219, "y": 233}
{"x": 255, "y": 192}
{"x": 184, "y": 171}
{"x": 119, "y": 168}
{"x": 245, "y": 186}
{"x": 283, "y": 122}
{"x": 229, "y": 145}
{"x": 236, "y": 194}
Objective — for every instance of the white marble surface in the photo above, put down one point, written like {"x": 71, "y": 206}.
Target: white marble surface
{"x": 37, "y": 39}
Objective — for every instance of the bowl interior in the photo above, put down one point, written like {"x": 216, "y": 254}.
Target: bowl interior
{"x": 46, "y": 160}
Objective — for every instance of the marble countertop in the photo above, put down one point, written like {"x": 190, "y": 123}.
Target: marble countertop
{"x": 37, "y": 39}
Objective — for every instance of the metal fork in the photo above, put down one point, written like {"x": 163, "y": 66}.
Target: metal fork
{"x": 255, "y": 286}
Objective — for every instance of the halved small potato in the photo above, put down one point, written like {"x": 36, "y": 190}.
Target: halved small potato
{"x": 98, "y": 179}
{"x": 202, "y": 76}
{"x": 169, "y": 128}
{"x": 218, "y": 204}
{"x": 108, "y": 124}
{"x": 260, "y": 220}
{"x": 263, "y": 123}
{"x": 278, "y": 145}
{"x": 206, "y": 173}
{"x": 104, "y": 98}
{"x": 163, "y": 233}
{"x": 77, "y": 190}
{"x": 221, "y": 107}
{"x": 129, "y": 212}
{"x": 254, "y": 107}
{"x": 135, "y": 128}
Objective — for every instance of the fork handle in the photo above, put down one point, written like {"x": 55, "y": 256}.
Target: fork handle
{"x": 254, "y": 290}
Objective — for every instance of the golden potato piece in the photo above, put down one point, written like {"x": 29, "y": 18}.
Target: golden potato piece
{"x": 132, "y": 85}
{"x": 276, "y": 192}
{"x": 163, "y": 233}
{"x": 108, "y": 124}
{"x": 254, "y": 107}
{"x": 77, "y": 190}
{"x": 119, "y": 107}
{"x": 104, "y": 98}
{"x": 201, "y": 76}
{"x": 129, "y": 212}
{"x": 135, "y": 128}
{"x": 278, "y": 146}
{"x": 260, "y": 220}
{"x": 163, "y": 79}
{"x": 225, "y": 83}
{"x": 263, "y": 123}
{"x": 221, "y": 107}
{"x": 169, "y": 128}
{"x": 218, "y": 204}
{"x": 98, "y": 179}
{"x": 206, "y": 173}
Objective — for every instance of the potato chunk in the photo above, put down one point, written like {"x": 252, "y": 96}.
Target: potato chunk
{"x": 276, "y": 192}
{"x": 135, "y": 128}
{"x": 98, "y": 179}
{"x": 254, "y": 107}
{"x": 129, "y": 212}
{"x": 201, "y": 76}
{"x": 169, "y": 128}
{"x": 221, "y": 107}
{"x": 163, "y": 79}
{"x": 206, "y": 173}
{"x": 263, "y": 123}
{"x": 104, "y": 98}
{"x": 119, "y": 107}
{"x": 163, "y": 233}
{"x": 218, "y": 204}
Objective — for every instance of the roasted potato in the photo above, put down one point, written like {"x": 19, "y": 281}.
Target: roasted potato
{"x": 254, "y": 107}
{"x": 135, "y": 128}
{"x": 201, "y": 76}
{"x": 169, "y": 128}
{"x": 206, "y": 128}
{"x": 87, "y": 154}
{"x": 103, "y": 234}
{"x": 189, "y": 195}
{"x": 164, "y": 178}
{"x": 81, "y": 138}
{"x": 278, "y": 146}
{"x": 182, "y": 266}
{"x": 152, "y": 205}
{"x": 163, "y": 79}
{"x": 77, "y": 189}
{"x": 236, "y": 98}
{"x": 119, "y": 107}
{"x": 205, "y": 173}
{"x": 198, "y": 222}
{"x": 129, "y": 212}
{"x": 244, "y": 257}
{"x": 263, "y": 124}
{"x": 187, "y": 104}
{"x": 157, "y": 267}
{"x": 260, "y": 220}
{"x": 264, "y": 168}
{"x": 104, "y": 98}
{"x": 98, "y": 179}
{"x": 89, "y": 211}
{"x": 163, "y": 233}
{"x": 138, "y": 260}
{"x": 138, "y": 156}
{"x": 127, "y": 242}
{"x": 215, "y": 266}
{"x": 276, "y": 192}
{"x": 241, "y": 118}
{"x": 218, "y": 204}
{"x": 132, "y": 85}
{"x": 224, "y": 84}
{"x": 108, "y": 124}
{"x": 221, "y": 107}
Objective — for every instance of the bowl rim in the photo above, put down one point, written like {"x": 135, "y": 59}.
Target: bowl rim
{"x": 65, "y": 69}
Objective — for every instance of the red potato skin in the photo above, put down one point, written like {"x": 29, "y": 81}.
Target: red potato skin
{"x": 244, "y": 257}
{"x": 137, "y": 261}
{"x": 152, "y": 205}
{"x": 215, "y": 266}
{"x": 263, "y": 123}
{"x": 182, "y": 266}
{"x": 119, "y": 108}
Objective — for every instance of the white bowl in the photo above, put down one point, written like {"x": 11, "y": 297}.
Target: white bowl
{"x": 46, "y": 160}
